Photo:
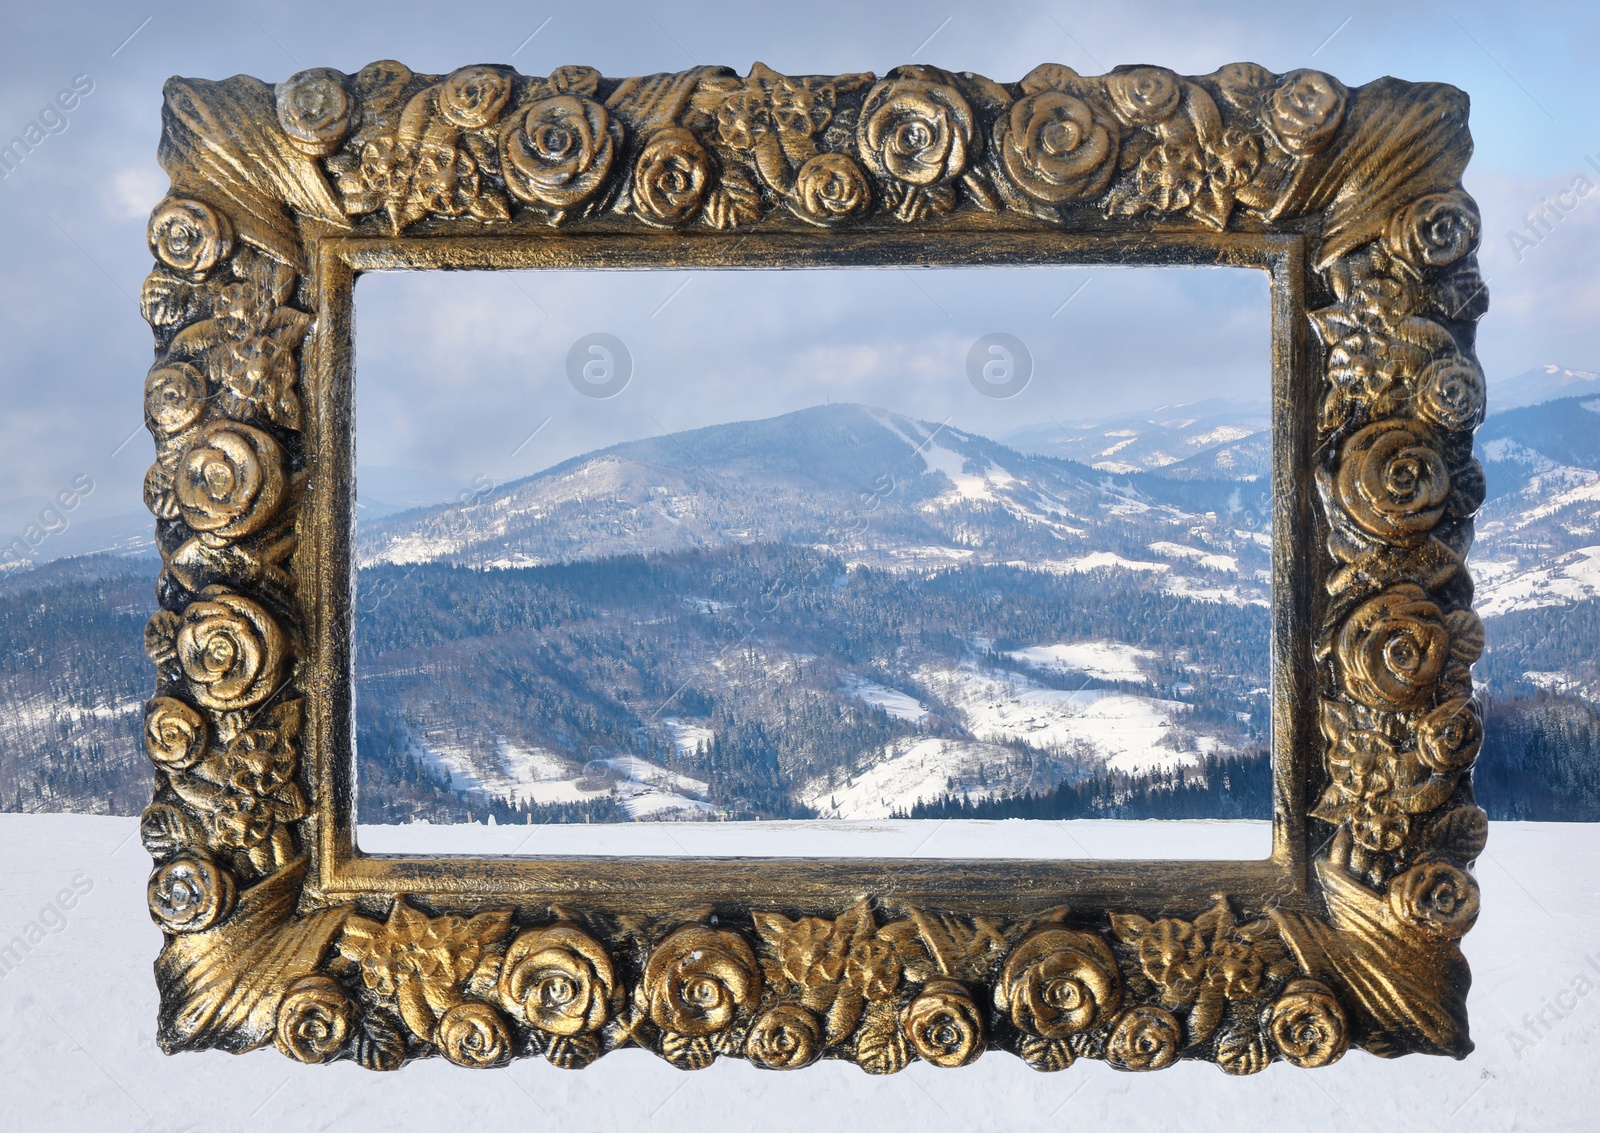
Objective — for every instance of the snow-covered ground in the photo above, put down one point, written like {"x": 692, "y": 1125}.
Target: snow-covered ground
{"x": 1130, "y": 733}
{"x": 821, "y": 838}
{"x": 77, "y": 1047}
{"x": 1097, "y": 560}
{"x": 1535, "y": 546}
{"x": 41, "y": 711}
{"x": 644, "y": 789}
{"x": 686, "y": 737}
{"x": 532, "y": 772}
{"x": 1206, "y": 559}
{"x": 909, "y": 771}
{"x": 654, "y": 802}
{"x": 1126, "y": 732}
{"x": 1504, "y": 586}
{"x": 901, "y": 706}
{"x": 1181, "y": 587}
{"x": 1107, "y": 660}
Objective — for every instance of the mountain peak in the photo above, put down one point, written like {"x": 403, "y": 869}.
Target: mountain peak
{"x": 1540, "y": 384}
{"x": 807, "y": 476}
{"x": 867, "y": 483}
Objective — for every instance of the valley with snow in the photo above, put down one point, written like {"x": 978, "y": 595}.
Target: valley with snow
{"x": 802, "y": 636}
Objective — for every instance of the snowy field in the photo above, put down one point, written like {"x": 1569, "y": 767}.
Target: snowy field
{"x": 821, "y": 838}
{"x": 88, "y": 981}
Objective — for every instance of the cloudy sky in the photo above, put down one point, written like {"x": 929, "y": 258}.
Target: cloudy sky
{"x": 73, "y": 350}
{"x": 456, "y": 371}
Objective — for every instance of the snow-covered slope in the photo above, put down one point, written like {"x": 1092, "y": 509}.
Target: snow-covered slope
{"x": 886, "y": 489}
{"x": 1559, "y": 581}
{"x": 1538, "y": 538}
{"x": 1229, "y": 439}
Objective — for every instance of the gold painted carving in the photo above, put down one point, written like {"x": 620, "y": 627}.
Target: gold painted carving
{"x": 1359, "y": 189}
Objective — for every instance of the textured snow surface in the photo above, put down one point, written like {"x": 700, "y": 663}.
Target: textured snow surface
{"x": 909, "y": 771}
{"x": 1130, "y": 733}
{"x": 89, "y": 982}
{"x": 1570, "y": 578}
{"x": 822, "y": 838}
{"x": 686, "y": 738}
{"x": 39, "y": 711}
{"x": 536, "y": 773}
{"x": 1126, "y": 732}
{"x": 514, "y": 767}
{"x": 1206, "y": 559}
{"x": 901, "y": 706}
{"x": 1107, "y": 660}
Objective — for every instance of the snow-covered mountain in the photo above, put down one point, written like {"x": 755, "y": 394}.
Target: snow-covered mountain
{"x": 888, "y": 491}
{"x": 882, "y": 488}
{"x": 1536, "y": 561}
{"x": 1539, "y": 533}
{"x": 1028, "y": 618}
{"x": 1542, "y": 383}
{"x": 1218, "y": 438}
{"x": 756, "y": 529}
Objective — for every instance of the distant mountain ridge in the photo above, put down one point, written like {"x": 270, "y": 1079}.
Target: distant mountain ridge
{"x": 1542, "y": 383}
{"x": 1538, "y": 535}
{"x": 712, "y": 645}
{"x": 1565, "y": 431}
{"x": 876, "y": 485}
{"x": 1216, "y": 438}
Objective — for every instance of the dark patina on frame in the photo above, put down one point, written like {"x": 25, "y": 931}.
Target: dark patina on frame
{"x": 279, "y": 930}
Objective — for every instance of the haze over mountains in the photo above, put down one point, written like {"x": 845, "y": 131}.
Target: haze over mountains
{"x": 1228, "y": 439}
{"x": 1168, "y": 506}
{"x": 1153, "y": 440}
{"x": 1542, "y": 383}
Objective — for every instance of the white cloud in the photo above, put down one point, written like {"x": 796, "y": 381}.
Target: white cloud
{"x": 133, "y": 191}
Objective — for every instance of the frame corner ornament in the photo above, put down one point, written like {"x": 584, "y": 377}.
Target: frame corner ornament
{"x": 271, "y": 185}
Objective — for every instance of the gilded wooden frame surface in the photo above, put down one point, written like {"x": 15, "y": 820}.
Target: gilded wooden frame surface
{"x": 279, "y": 930}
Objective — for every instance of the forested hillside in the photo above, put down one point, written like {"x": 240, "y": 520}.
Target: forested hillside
{"x": 845, "y": 613}
{"x": 768, "y": 674}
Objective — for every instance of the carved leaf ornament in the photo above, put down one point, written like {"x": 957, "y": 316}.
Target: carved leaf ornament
{"x": 1369, "y": 177}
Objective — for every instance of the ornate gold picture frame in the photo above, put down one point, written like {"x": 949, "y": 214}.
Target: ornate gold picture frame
{"x": 278, "y": 930}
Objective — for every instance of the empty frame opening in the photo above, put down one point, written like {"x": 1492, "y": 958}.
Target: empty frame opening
{"x": 817, "y": 563}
